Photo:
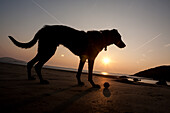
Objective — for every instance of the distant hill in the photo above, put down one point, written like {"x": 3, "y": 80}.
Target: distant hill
{"x": 157, "y": 73}
{"x": 12, "y": 61}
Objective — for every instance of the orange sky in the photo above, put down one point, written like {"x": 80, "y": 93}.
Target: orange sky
{"x": 143, "y": 24}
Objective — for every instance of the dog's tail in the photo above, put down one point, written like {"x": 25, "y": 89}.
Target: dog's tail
{"x": 24, "y": 45}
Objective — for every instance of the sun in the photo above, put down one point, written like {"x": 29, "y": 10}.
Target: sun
{"x": 104, "y": 73}
{"x": 106, "y": 60}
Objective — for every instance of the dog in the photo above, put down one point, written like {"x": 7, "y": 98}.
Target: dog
{"x": 86, "y": 45}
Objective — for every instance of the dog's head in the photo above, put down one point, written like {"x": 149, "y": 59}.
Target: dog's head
{"x": 113, "y": 37}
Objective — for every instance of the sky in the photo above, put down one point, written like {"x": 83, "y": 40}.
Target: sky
{"x": 143, "y": 24}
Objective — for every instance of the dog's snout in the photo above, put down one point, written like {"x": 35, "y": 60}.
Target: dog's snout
{"x": 121, "y": 44}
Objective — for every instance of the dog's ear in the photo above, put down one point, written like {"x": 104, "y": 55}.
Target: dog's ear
{"x": 114, "y": 30}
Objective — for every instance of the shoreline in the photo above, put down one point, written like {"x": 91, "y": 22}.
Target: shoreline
{"x": 48, "y": 68}
{"x": 145, "y": 81}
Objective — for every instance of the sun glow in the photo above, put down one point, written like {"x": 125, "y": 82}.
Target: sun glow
{"x": 104, "y": 73}
{"x": 106, "y": 60}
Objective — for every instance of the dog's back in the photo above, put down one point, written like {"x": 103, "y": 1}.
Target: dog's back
{"x": 74, "y": 40}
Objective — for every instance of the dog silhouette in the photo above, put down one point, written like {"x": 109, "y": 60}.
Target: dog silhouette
{"x": 86, "y": 45}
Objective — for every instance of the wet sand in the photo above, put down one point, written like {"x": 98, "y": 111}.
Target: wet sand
{"x": 62, "y": 95}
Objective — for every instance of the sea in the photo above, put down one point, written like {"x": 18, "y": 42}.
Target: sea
{"x": 129, "y": 77}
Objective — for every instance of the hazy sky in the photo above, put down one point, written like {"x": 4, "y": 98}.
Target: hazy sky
{"x": 143, "y": 24}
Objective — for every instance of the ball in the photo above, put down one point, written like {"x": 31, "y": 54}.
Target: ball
{"x": 106, "y": 84}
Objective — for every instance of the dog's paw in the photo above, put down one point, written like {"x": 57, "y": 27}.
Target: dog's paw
{"x": 81, "y": 83}
{"x": 44, "y": 82}
{"x": 31, "y": 78}
{"x": 96, "y": 86}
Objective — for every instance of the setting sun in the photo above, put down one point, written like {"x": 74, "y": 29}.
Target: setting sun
{"x": 106, "y": 60}
{"x": 104, "y": 73}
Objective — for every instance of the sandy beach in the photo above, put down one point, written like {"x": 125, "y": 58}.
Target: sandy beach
{"x": 62, "y": 95}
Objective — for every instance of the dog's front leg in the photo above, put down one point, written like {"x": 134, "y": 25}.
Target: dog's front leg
{"x": 90, "y": 68}
{"x": 81, "y": 65}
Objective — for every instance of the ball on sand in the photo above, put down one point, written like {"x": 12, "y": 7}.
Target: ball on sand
{"x": 106, "y": 84}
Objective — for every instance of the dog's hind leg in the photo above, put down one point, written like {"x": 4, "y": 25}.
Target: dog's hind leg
{"x": 43, "y": 58}
{"x": 90, "y": 68}
{"x": 81, "y": 65}
{"x": 38, "y": 68}
{"x": 29, "y": 67}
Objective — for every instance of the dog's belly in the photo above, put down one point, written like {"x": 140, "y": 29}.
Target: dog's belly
{"x": 77, "y": 50}
{"x": 86, "y": 51}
